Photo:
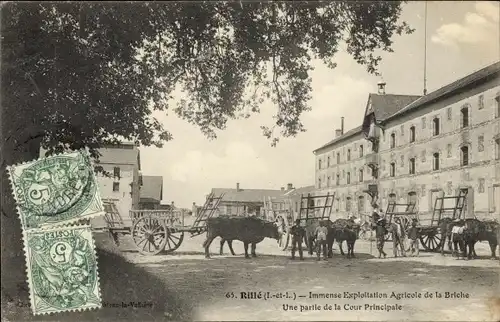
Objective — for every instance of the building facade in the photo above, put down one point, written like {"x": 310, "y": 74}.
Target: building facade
{"x": 122, "y": 184}
{"x": 416, "y": 150}
{"x": 151, "y": 193}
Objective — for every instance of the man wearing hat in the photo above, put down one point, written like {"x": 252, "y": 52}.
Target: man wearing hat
{"x": 297, "y": 237}
{"x": 380, "y": 232}
{"x": 413, "y": 236}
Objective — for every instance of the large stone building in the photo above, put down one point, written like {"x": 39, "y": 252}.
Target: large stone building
{"x": 412, "y": 147}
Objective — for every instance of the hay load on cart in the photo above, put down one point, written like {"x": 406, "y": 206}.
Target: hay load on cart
{"x": 155, "y": 231}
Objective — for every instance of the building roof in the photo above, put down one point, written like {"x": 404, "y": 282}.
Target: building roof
{"x": 341, "y": 138}
{"x": 451, "y": 88}
{"x": 385, "y": 105}
{"x": 246, "y": 195}
{"x": 300, "y": 191}
{"x": 152, "y": 187}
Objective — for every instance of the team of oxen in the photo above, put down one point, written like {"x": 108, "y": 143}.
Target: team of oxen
{"x": 461, "y": 235}
{"x": 252, "y": 230}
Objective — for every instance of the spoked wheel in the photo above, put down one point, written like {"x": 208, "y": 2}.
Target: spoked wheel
{"x": 149, "y": 235}
{"x": 431, "y": 240}
{"x": 174, "y": 240}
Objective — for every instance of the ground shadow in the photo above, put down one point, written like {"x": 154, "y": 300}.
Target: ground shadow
{"x": 121, "y": 283}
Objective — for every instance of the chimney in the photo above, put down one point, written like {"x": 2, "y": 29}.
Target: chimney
{"x": 381, "y": 87}
{"x": 289, "y": 186}
{"x": 237, "y": 186}
{"x": 173, "y": 206}
{"x": 282, "y": 188}
{"x": 338, "y": 133}
{"x": 342, "y": 125}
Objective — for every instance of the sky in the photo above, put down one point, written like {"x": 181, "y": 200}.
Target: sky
{"x": 462, "y": 37}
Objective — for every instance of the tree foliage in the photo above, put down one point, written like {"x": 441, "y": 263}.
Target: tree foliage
{"x": 87, "y": 74}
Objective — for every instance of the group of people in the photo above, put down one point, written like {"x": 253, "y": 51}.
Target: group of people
{"x": 399, "y": 236}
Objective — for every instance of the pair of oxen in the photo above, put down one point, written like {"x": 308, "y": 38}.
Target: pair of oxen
{"x": 462, "y": 236}
{"x": 251, "y": 231}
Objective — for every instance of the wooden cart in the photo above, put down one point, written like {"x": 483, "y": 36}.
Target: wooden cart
{"x": 406, "y": 212}
{"x": 429, "y": 233}
{"x": 312, "y": 208}
{"x": 155, "y": 231}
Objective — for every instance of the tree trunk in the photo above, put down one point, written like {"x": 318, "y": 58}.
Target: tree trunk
{"x": 13, "y": 277}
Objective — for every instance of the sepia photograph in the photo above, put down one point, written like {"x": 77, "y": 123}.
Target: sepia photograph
{"x": 250, "y": 160}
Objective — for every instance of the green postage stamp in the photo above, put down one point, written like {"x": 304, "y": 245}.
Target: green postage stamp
{"x": 56, "y": 190}
{"x": 62, "y": 269}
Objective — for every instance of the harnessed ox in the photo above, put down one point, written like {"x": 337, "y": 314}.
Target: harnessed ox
{"x": 249, "y": 230}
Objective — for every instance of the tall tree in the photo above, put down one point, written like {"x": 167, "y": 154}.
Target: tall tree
{"x": 87, "y": 74}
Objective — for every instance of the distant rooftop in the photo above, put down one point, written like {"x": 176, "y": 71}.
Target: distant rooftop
{"x": 246, "y": 195}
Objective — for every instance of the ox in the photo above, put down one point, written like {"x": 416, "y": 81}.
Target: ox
{"x": 344, "y": 229}
{"x": 249, "y": 230}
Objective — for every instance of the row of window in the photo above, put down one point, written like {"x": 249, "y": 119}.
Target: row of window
{"x": 464, "y": 158}
{"x": 436, "y": 124}
{"x": 348, "y": 157}
{"x": 464, "y": 161}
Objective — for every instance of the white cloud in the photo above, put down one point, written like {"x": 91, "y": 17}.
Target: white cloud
{"x": 238, "y": 162}
{"x": 479, "y": 27}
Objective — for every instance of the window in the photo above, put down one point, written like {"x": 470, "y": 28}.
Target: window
{"x": 328, "y": 162}
{"x": 392, "y": 169}
{"x": 412, "y": 198}
{"x": 348, "y": 178}
{"x": 497, "y": 149}
{"x": 464, "y": 160}
{"x": 348, "y": 204}
{"x": 480, "y": 143}
{"x": 361, "y": 151}
{"x": 361, "y": 204}
{"x": 393, "y": 140}
{"x": 481, "y": 185}
{"x": 449, "y": 113}
{"x": 402, "y": 161}
{"x": 423, "y": 122}
{"x": 448, "y": 149}
{"x": 423, "y": 156}
{"x": 337, "y": 204}
{"x": 392, "y": 198}
{"x": 348, "y": 154}
{"x": 319, "y": 182}
{"x": 435, "y": 163}
{"x": 116, "y": 172}
{"x": 338, "y": 157}
{"x": 435, "y": 124}
{"x": 465, "y": 116}
{"x": 328, "y": 181}
{"x": 412, "y": 134}
{"x": 480, "y": 102}
{"x": 319, "y": 164}
{"x": 116, "y": 186}
{"x": 402, "y": 130}
{"x": 360, "y": 175}
{"x": 412, "y": 166}
{"x": 337, "y": 180}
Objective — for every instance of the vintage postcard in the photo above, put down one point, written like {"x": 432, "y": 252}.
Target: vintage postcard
{"x": 62, "y": 270}
{"x": 252, "y": 160}
{"x": 56, "y": 190}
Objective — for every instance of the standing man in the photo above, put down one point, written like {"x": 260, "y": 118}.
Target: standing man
{"x": 398, "y": 237}
{"x": 321, "y": 233}
{"x": 297, "y": 237}
{"x": 380, "y": 232}
{"x": 413, "y": 236}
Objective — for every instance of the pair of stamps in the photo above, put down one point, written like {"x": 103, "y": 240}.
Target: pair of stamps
{"x": 51, "y": 194}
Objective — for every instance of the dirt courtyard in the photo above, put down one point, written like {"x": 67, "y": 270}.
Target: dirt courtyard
{"x": 214, "y": 287}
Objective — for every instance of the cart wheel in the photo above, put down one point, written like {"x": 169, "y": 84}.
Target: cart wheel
{"x": 174, "y": 240}
{"x": 149, "y": 235}
{"x": 431, "y": 240}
